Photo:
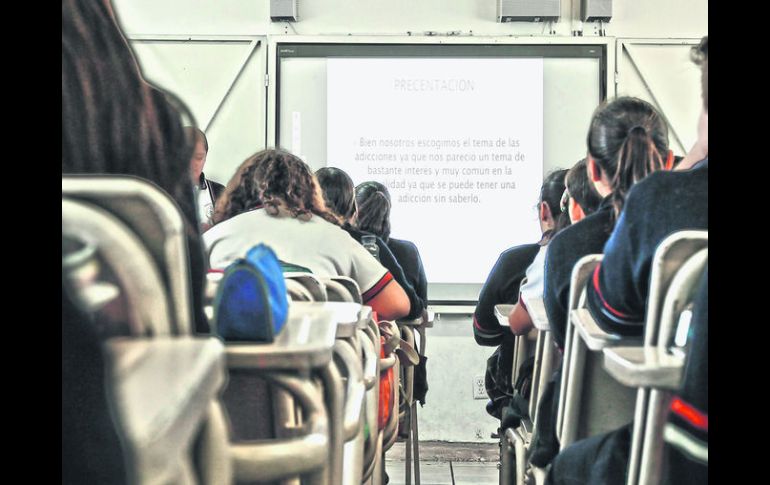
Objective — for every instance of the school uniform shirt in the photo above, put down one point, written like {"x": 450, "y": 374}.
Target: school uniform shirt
{"x": 565, "y": 249}
{"x": 659, "y": 205}
{"x": 532, "y": 284}
{"x": 388, "y": 259}
{"x": 502, "y": 286}
{"x": 316, "y": 244}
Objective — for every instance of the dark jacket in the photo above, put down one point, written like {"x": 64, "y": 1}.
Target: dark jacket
{"x": 659, "y": 205}
{"x": 387, "y": 259}
{"x": 408, "y": 257}
{"x": 502, "y": 286}
{"x": 565, "y": 249}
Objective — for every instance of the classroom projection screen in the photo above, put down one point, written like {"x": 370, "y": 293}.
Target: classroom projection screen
{"x": 461, "y": 135}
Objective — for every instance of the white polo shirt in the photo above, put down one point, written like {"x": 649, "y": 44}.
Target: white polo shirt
{"x": 533, "y": 284}
{"x": 318, "y": 245}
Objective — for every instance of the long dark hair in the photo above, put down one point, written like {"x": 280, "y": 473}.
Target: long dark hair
{"x": 114, "y": 122}
{"x": 273, "y": 179}
{"x": 373, "y": 209}
{"x": 338, "y": 191}
{"x": 550, "y": 193}
{"x": 628, "y": 139}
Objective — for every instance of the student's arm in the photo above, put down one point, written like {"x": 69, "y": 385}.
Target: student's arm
{"x": 616, "y": 291}
{"x": 519, "y": 319}
{"x": 390, "y": 302}
{"x": 486, "y": 329}
{"x": 387, "y": 259}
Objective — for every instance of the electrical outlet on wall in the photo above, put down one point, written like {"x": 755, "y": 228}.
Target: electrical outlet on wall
{"x": 479, "y": 389}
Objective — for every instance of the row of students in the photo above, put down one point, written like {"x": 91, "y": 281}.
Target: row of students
{"x": 274, "y": 198}
{"x": 627, "y": 144}
{"x": 660, "y": 205}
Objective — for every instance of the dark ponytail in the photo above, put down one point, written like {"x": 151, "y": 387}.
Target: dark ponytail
{"x": 628, "y": 140}
{"x": 373, "y": 209}
{"x": 550, "y": 193}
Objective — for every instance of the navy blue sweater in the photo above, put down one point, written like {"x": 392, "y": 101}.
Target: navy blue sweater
{"x": 565, "y": 249}
{"x": 502, "y": 286}
{"x": 659, "y": 205}
{"x": 408, "y": 257}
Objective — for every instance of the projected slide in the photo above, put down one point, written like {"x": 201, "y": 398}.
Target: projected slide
{"x": 457, "y": 141}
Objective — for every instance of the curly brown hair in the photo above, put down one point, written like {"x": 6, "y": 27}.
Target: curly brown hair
{"x": 275, "y": 179}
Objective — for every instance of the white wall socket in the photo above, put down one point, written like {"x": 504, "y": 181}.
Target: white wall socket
{"x": 479, "y": 389}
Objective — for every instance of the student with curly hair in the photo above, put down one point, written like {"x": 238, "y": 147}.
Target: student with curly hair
{"x": 274, "y": 198}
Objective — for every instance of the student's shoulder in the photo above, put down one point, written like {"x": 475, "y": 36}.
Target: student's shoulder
{"x": 532, "y": 248}
{"x": 403, "y": 244}
{"x": 663, "y": 186}
{"x": 591, "y": 227}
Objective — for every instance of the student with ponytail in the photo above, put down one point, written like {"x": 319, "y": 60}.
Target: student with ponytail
{"x": 373, "y": 202}
{"x": 627, "y": 141}
{"x": 274, "y": 198}
{"x": 663, "y": 203}
{"x": 339, "y": 195}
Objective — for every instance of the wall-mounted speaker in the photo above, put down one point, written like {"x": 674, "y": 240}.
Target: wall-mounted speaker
{"x": 528, "y": 10}
{"x": 596, "y": 10}
{"x": 281, "y": 10}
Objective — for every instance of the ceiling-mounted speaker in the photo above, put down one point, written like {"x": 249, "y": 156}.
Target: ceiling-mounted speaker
{"x": 281, "y": 10}
{"x": 596, "y": 10}
{"x": 528, "y": 10}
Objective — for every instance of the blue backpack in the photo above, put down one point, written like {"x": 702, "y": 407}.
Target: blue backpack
{"x": 251, "y": 302}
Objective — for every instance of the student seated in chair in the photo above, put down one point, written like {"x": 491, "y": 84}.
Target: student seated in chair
{"x": 502, "y": 286}
{"x": 339, "y": 195}
{"x": 617, "y": 296}
{"x": 663, "y": 204}
{"x": 275, "y": 199}
{"x": 206, "y": 191}
{"x": 102, "y": 133}
{"x": 627, "y": 140}
{"x": 579, "y": 200}
{"x": 373, "y": 201}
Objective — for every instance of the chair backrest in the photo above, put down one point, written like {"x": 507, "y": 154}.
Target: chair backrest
{"x": 647, "y": 442}
{"x": 108, "y": 241}
{"x": 311, "y": 282}
{"x": 670, "y": 255}
{"x": 580, "y": 274}
{"x": 155, "y": 219}
{"x": 336, "y": 291}
{"x": 351, "y": 286}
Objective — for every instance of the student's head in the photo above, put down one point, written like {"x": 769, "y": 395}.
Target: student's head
{"x": 338, "y": 191}
{"x": 198, "y": 160}
{"x": 700, "y": 55}
{"x": 627, "y": 140}
{"x": 548, "y": 210}
{"x": 580, "y": 198}
{"x": 373, "y": 202}
{"x": 277, "y": 180}
{"x": 113, "y": 122}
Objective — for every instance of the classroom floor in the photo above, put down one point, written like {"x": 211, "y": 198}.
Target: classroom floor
{"x": 471, "y": 464}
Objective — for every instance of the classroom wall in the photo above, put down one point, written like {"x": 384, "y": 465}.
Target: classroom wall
{"x": 240, "y": 126}
{"x": 631, "y": 18}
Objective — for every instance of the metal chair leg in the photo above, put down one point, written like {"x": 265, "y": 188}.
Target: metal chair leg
{"x": 415, "y": 442}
